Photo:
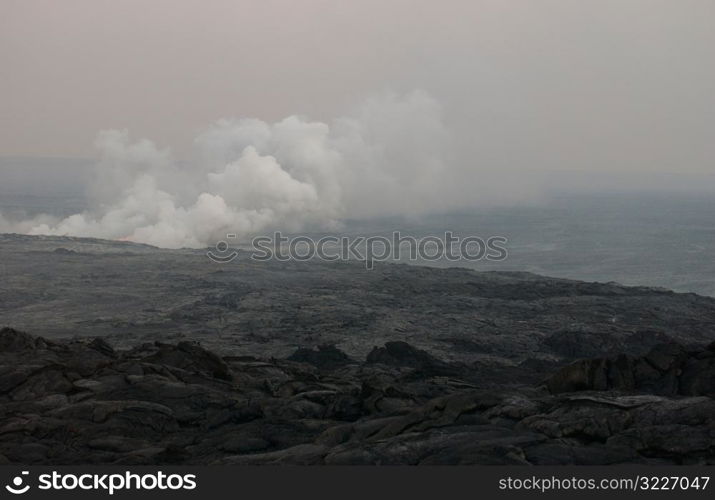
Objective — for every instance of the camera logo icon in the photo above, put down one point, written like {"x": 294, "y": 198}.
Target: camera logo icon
{"x": 224, "y": 253}
{"x": 16, "y": 487}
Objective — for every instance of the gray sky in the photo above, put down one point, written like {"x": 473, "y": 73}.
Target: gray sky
{"x": 533, "y": 85}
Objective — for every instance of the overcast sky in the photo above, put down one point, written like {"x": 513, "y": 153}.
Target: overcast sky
{"x": 586, "y": 85}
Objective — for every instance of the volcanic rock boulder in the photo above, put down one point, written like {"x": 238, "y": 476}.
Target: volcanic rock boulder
{"x": 667, "y": 369}
{"x": 402, "y": 354}
{"x": 325, "y": 357}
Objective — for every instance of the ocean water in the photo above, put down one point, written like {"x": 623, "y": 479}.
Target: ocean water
{"x": 653, "y": 240}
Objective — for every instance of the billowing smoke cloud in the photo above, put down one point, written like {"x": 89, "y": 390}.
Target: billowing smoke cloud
{"x": 391, "y": 156}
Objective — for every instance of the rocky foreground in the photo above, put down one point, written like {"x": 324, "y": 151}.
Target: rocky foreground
{"x": 81, "y": 401}
{"x": 141, "y": 355}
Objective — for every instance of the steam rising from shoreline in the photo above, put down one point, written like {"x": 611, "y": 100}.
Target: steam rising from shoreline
{"x": 392, "y": 156}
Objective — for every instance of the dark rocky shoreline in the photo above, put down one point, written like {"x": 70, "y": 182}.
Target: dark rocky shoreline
{"x": 128, "y": 294}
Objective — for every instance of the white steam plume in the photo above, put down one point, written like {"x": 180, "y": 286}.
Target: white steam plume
{"x": 390, "y": 157}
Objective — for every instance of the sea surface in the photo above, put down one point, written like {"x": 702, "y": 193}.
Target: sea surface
{"x": 653, "y": 240}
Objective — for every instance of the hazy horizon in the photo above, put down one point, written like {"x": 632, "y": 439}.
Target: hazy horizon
{"x": 614, "y": 85}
